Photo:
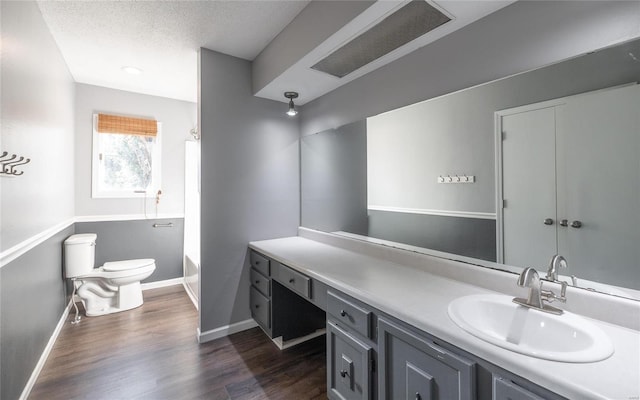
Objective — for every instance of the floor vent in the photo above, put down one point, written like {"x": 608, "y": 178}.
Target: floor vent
{"x": 406, "y": 24}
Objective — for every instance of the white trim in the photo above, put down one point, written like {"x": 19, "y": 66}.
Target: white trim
{"x": 190, "y": 293}
{"x": 283, "y": 345}
{"x": 443, "y": 213}
{"x": 45, "y": 354}
{"x": 161, "y": 284}
{"x": 21, "y": 248}
{"x": 125, "y": 217}
{"x": 226, "y": 330}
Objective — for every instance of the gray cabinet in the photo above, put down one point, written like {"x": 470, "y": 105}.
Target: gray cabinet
{"x": 370, "y": 354}
{"x": 349, "y": 365}
{"x": 260, "y": 292}
{"x": 414, "y": 367}
{"x": 281, "y": 300}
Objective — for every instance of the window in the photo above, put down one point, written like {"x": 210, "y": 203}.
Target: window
{"x": 126, "y": 156}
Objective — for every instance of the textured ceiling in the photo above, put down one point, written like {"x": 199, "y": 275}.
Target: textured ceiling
{"x": 98, "y": 38}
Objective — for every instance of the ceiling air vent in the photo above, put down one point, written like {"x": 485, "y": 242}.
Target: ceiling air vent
{"x": 406, "y": 24}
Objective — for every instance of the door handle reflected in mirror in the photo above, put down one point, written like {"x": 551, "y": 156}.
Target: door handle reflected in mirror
{"x": 548, "y": 221}
{"x": 564, "y": 222}
{"x": 576, "y": 224}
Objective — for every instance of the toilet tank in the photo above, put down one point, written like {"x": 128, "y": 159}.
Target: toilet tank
{"x": 79, "y": 254}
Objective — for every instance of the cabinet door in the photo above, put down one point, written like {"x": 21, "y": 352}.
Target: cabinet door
{"x": 414, "y": 368}
{"x": 529, "y": 187}
{"x": 348, "y": 366}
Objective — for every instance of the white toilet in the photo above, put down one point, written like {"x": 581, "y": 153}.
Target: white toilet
{"x": 108, "y": 289}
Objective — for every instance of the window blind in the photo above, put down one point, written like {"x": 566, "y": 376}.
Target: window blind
{"x": 127, "y": 125}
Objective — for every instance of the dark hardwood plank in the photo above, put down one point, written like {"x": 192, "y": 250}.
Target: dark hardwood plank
{"x": 152, "y": 353}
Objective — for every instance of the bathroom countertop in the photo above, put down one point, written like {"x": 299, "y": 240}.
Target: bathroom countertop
{"x": 421, "y": 298}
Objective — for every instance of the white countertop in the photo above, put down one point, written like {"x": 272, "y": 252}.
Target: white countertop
{"x": 420, "y": 298}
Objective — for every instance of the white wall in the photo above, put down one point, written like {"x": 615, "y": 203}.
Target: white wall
{"x": 37, "y": 123}
{"x": 177, "y": 118}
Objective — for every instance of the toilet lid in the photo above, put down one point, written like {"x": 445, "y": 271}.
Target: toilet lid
{"x": 127, "y": 264}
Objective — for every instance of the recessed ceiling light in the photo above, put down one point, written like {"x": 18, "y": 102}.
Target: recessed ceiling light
{"x": 132, "y": 70}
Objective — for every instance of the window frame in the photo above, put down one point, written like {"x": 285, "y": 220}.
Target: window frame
{"x": 156, "y": 169}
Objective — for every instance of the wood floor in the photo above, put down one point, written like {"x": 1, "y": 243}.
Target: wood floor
{"x": 152, "y": 353}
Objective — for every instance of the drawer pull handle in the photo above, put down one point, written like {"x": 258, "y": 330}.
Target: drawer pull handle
{"x": 258, "y": 281}
{"x": 257, "y": 262}
{"x": 292, "y": 280}
{"x": 257, "y": 305}
{"x": 343, "y": 313}
{"x": 344, "y": 373}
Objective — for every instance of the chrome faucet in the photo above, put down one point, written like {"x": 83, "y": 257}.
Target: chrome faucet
{"x": 530, "y": 278}
{"x": 537, "y": 296}
{"x": 556, "y": 263}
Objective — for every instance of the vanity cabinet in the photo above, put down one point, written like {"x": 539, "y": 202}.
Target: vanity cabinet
{"x": 260, "y": 291}
{"x": 371, "y": 354}
{"x": 414, "y": 367}
{"x": 285, "y": 303}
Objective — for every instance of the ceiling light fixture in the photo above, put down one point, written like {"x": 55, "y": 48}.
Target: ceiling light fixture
{"x": 132, "y": 70}
{"x": 292, "y": 110}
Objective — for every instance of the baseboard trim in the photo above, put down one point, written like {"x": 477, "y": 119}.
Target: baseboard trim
{"x": 226, "y": 330}
{"x": 283, "y": 345}
{"x": 190, "y": 293}
{"x": 161, "y": 284}
{"x": 45, "y": 354}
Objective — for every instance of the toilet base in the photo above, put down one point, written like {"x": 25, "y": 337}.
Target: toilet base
{"x": 98, "y": 299}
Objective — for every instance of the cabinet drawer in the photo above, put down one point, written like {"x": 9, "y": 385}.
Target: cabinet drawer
{"x": 293, "y": 280}
{"x": 260, "y": 262}
{"x": 260, "y": 308}
{"x": 507, "y": 390}
{"x": 349, "y": 372}
{"x": 349, "y": 314}
{"x": 260, "y": 282}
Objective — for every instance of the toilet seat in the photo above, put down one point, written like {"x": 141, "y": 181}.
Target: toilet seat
{"x": 114, "y": 266}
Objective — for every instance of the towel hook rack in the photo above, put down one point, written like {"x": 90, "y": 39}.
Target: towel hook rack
{"x": 8, "y": 164}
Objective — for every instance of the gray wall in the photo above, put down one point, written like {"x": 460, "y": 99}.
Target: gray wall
{"x": 32, "y": 292}
{"x": 517, "y": 38}
{"x": 177, "y": 118}
{"x": 250, "y": 182}
{"x": 37, "y": 123}
{"x": 125, "y": 240}
{"x": 333, "y": 183}
{"x": 471, "y": 237}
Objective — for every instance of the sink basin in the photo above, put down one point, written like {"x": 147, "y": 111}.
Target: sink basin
{"x": 497, "y": 320}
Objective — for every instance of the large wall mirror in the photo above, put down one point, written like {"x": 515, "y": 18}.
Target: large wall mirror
{"x": 429, "y": 177}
